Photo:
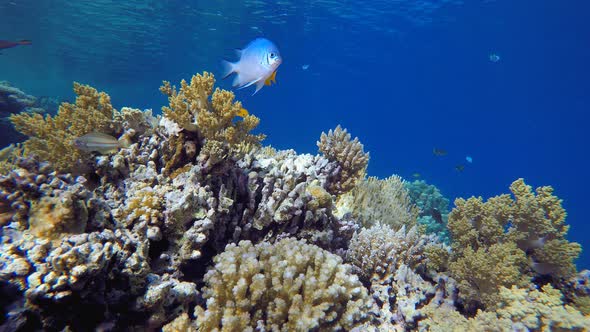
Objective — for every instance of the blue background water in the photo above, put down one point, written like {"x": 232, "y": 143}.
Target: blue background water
{"x": 403, "y": 76}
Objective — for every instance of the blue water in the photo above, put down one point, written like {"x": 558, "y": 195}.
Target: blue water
{"x": 403, "y": 76}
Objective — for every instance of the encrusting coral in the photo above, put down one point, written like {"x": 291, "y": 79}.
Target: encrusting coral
{"x": 374, "y": 200}
{"x": 517, "y": 238}
{"x": 288, "y": 286}
{"x": 337, "y": 146}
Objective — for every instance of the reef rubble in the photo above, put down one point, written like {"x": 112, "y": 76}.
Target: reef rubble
{"x": 196, "y": 226}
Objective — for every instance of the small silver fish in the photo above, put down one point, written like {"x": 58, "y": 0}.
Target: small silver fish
{"x": 99, "y": 142}
{"x": 258, "y": 63}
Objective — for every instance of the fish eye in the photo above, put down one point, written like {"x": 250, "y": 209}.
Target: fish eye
{"x": 272, "y": 55}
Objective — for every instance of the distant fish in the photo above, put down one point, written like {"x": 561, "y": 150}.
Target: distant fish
{"x": 99, "y": 142}
{"x": 469, "y": 159}
{"x": 439, "y": 152}
{"x": 416, "y": 175}
{"x": 544, "y": 268}
{"x": 305, "y": 67}
{"x": 460, "y": 168}
{"x": 494, "y": 57}
{"x": 258, "y": 63}
{"x": 8, "y": 44}
{"x": 437, "y": 216}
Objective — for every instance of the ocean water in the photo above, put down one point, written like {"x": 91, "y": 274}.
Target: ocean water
{"x": 403, "y": 76}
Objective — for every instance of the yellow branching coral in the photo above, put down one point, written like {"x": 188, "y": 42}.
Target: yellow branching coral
{"x": 518, "y": 309}
{"x": 540, "y": 310}
{"x": 480, "y": 273}
{"x": 50, "y": 138}
{"x": 373, "y": 200}
{"x": 189, "y": 100}
{"x": 286, "y": 286}
{"x": 349, "y": 154}
{"x": 510, "y": 236}
{"x": 214, "y": 120}
{"x": 181, "y": 323}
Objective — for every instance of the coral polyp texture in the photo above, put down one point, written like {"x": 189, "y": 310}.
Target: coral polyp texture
{"x": 384, "y": 201}
{"x": 349, "y": 154}
{"x": 193, "y": 226}
{"x": 519, "y": 237}
{"x": 288, "y": 286}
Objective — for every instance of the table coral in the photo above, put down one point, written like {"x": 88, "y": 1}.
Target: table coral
{"x": 337, "y": 146}
{"x": 288, "y": 286}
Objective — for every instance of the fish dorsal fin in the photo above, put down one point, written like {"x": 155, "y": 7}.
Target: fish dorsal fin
{"x": 101, "y": 135}
{"x": 272, "y": 79}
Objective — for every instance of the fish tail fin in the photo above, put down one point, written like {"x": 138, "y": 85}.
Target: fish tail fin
{"x": 25, "y": 42}
{"x": 228, "y": 68}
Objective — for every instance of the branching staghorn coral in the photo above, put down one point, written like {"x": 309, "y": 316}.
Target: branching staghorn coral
{"x": 214, "y": 120}
{"x": 50, "y": 138}
{"x": 373, "y": 200}
{"x": 511, "y": 236}
{"x": 349, "y": 154}
{"x": 189, "y": 100}
{"x": 288, "y": 286}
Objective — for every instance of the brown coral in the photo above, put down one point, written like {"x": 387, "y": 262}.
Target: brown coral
{"x": 50, "y": 138}
{"x": 510, "y": 236}
{"x": 214, "y": 120}
{"x": 349, "y": 154}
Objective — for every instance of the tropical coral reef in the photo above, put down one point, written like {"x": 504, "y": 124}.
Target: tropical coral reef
{"x": 193, "y": 226}
{"x": 51, "y": 137}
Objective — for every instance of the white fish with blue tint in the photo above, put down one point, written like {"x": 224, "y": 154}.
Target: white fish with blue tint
{"x": 257, "y": 65}
{"x": 469, "y": 159}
